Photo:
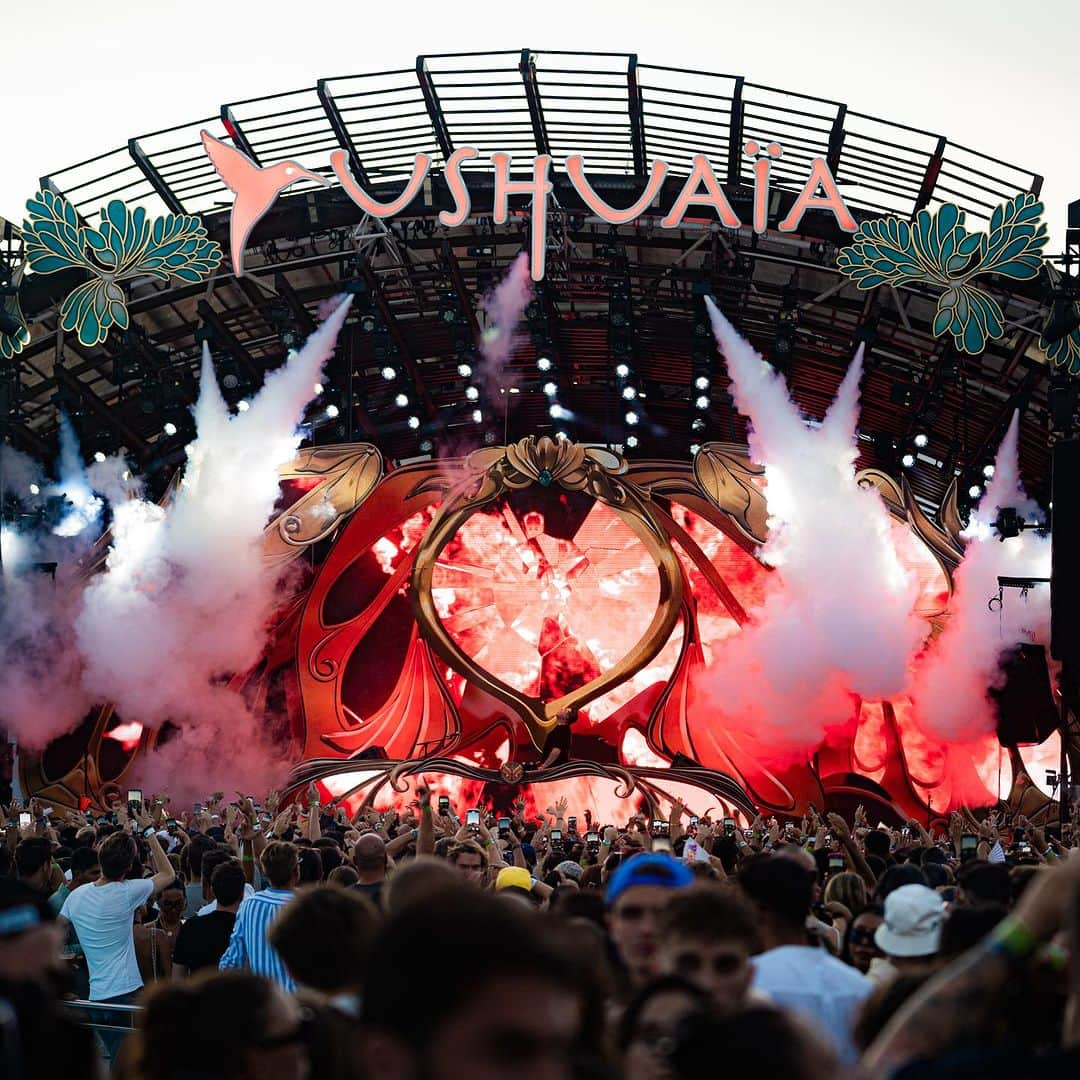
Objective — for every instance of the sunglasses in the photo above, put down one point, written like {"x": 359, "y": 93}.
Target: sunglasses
{"x": 862, "y": 936}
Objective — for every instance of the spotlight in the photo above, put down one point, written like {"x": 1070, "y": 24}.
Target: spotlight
{"x": 622, "y": 370}
{"x": 561, "y": 435}
{"x": 243, "y": 405}
{"x": 988, "y": 472}
{"x": 413, "y": 422}
{"x": 974, "y": 491}
{"x": 629, "y": 393}
{"x": 921, "y": 439}
{"x": 318, "y": 388}
{"x": 389, "y": 373}
{"x": 477, "y": 416}
{"x": 401, "y": 400}
{"x": 99, "y": 456}
{"x": 550, "y": 389}
{"x": 701, "y": 402}
{"x": 472, "y": 393}
{"x": 34, "y": 489}
{"x": 425, "y": 445}
{"x": 230, "y": 381}
{"x": 464, "y": 370}
{"x": 544, "y": 363}
{"x": 702, "y": 382}
{"x": 631, "y": 441}
{"x": 694, "y": 447}
{"x": 631, "y": 418}
{"x": 367, "y": 323}
{"x": 332, "y": 411}
{"x": 697, "y": 424}
{"x": 557, "y": 412}
{"x": 169, "y": 428}
{"x": 908, "y": 460}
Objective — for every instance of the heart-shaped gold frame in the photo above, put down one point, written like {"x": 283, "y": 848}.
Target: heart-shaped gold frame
{"x": 494, "y": 471}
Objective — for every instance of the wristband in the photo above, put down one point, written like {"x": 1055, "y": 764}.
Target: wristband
{"x": 1013, "y": 940}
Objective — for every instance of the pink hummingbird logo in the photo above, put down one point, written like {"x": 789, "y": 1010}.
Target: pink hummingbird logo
{"x": 255, "y": 188}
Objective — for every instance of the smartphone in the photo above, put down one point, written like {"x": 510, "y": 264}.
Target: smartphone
{"x": 694, "y": 821}
{"x": 592, "y": 838}
{"x": 789, "y": 828}
{"x": 134, "y": 796}
{"x": 729, "y": 826}
{"x": 472, "y": 818}
{"x": 444, "y": 804}
{"x": 504, "y": 824}
{"x": 969, "y": 842}
{"x": 257, "y": 827}
{"x": 24, "y": 820}
{"x": 661, "y": 828}
{"x": 836, "y": 862}
{"x": 556, "y": 836}
{"x": 571, "y": 824}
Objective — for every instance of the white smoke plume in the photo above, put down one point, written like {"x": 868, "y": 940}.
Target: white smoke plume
{"x": 503, "y": 308}
{"x": 838, "y": 618}
{"x": 951, "y": 684}
{"x": 185, "y": 597}
{"x": 85, "y": 507}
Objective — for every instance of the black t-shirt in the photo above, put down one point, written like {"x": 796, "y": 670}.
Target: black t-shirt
{"x": 558, "y": 739}
{"x": 203, "y": 939}
{"x": 372, "y": 891}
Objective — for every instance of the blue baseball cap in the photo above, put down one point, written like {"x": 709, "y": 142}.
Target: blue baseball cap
{"x": 650, "y": 869}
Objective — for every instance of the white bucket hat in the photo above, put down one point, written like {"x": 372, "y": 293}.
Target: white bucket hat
{"x": 913, "y": 918}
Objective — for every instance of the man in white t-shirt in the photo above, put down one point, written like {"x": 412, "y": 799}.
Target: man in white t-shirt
{"x": 103, "y": 912}
{"x": 797, "y": 976}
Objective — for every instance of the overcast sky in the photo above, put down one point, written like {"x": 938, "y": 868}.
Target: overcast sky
{"x": 82, "y": 76}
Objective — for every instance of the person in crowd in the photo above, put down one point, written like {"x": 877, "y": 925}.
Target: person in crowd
{"x": 34, "y": 864}
{"x": 793, "y": 974}
{"x": 202, "y": 941}
{"x": 228, "y": 1025}
{"x": 506, "y": 999}
{"x": 468, "y": 859}
{"x": 371, "y": 862}
{"x": 652, "y": 1020}
{"x": 36, "y": 1038}
{"x": 860, "y": 950}
{"x": 249, "y": 946}
{"x": 195, "y": 889}
{"x": 153, "y": 939}
{"x": 966, "y": 925}
{"x": 85, "y": 868}
{"x": 344, "y": 877}
{"x": 707, "y": 935}
{"x": 910, "y": 934}
{"x": 636, "y": 895}
{"x": 210, "y": 862}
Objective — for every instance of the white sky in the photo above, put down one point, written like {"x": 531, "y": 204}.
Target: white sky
{"x": 82, "y": 76}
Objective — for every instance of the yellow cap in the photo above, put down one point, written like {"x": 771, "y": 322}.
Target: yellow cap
{"x": 513, "y": 877}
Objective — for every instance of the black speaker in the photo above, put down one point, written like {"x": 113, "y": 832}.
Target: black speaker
{"x": 1065, "y": 562}
{"x": 1026, "y": 710}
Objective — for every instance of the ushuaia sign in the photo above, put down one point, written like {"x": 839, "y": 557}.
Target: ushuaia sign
{"x": 256, "y": 189}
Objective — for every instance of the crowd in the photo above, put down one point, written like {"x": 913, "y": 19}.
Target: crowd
{"x": 256, "y": 941}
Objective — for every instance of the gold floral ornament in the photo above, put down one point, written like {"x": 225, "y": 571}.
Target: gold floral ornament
{"x": 493, "y": 472}
{"x": 732, "y": 483}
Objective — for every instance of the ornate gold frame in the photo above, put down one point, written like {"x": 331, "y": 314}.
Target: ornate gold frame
{"x": 493, "y": 472}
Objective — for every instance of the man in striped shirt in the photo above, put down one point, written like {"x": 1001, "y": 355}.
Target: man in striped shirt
{"x": 249, "y": 946}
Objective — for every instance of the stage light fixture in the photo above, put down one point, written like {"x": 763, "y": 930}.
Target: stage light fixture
{"x": 544, "y": 363}
{"x": 908, "y": 460}
{"x": 631, "y": 418}
{"x": 99, "y": 456}
{"x": 413, "y": 422}
{"x": 34, "y": 489}
{"x": 701, "y": 382}
{"x": 243, "y": 405}
{"x": 332, "y": 411}
{"x": 401, "y": 400}
{"x": 464, "y": 370}
{"x": 988, "y": 472}
{"x": 477, "y": 416}
{"x": 701, "y": 402}
{"x": 367, "y": 323}
{"x": 389, "y": 373}
{"x": 230, "y": 381}
{"x": 622, "y": 370}
{"x": 557, "y": 412}
{"x": 169, "y": 428}
{"x": 629, "y": 393}
{"x": 974, "y": 491}
{"x": 318, "y": 388}
{"x": 697, "y": 424}
{"x": 631, "y": 441}
{"x": 921, "y": 439}
{"x": 694, "y": 448}
{"x": 550, "y": 389}
{"x": 472, "y": 393}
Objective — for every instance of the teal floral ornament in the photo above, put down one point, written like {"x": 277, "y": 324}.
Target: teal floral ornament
{"x": 125, "y": 245}
{"x": 938, "y": 250}
{"x": 1065, "y": 352}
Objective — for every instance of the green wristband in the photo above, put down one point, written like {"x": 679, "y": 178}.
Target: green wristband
{"x": 1013, "y": 939}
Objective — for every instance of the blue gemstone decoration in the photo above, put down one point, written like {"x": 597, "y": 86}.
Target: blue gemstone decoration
{"x": 545, "y": 477}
